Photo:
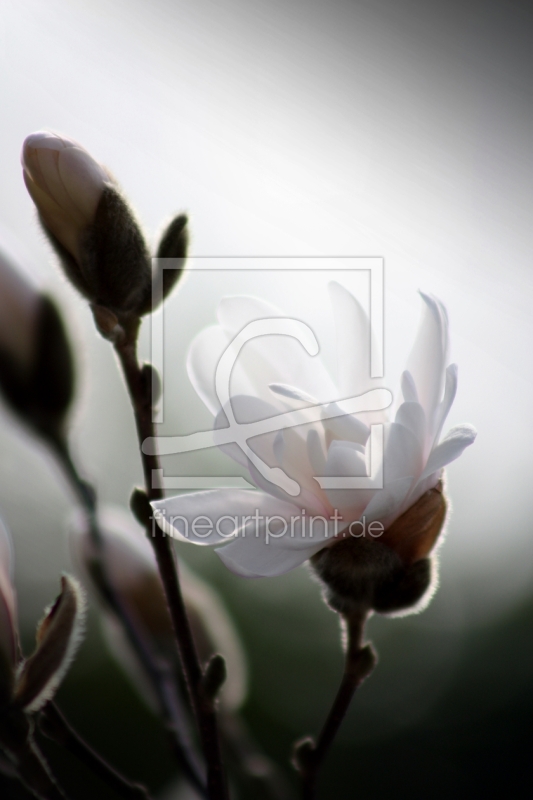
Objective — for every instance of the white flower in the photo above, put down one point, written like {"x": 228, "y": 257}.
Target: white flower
{"x": 269, "y": 532}
{"x": 65, "y": 183}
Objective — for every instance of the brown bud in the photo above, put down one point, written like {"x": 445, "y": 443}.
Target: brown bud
{"x": 94, "y": 233}
{"x": 389, "y": 575}
{"x": 58, "y": 636}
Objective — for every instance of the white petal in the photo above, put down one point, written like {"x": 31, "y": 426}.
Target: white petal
{"x": 315, "y": 452}
{"x": 275, "y": 359}
{"x": 251, "y": 558}
{"x": 347, "y": 460}
{"x": 408, "y": 388}
{"x": 387, "y": 502}
{"x": 353, "y": 342}
{"x": 450, "y": 390}
{"x": 212, "y": 517}
{"x": 403, "y": 453}
{"x": 411, "y": 416}
{"x": 450, "y": 448}
{"x": 346, "y": 427}
{"x": 292, "y": 393}
{"x": 202, "y": 359}
{"x": 312, "y": 500}
{"x": 427, "y": 360}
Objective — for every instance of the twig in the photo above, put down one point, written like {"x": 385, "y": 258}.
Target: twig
{"x": 202, "y": 704}
{"x": 160, "y": 678}
{"x": 359, "y": 663}
{"x": 54, "y": 725}
{"x": 31, "y": 767}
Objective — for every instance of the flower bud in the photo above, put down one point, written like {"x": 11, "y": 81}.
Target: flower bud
{"x": 28, "y": 684}
{"x": 390, "y": 575}
{"x": 171, "y": 257}
{"x": 132, "y": 569}
{"x": 58, "y": 636}
{"x": 88, "y": 223}
{"x": 36, "y": 365}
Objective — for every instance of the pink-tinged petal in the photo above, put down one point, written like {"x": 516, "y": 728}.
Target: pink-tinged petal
{"x": 450, "y": 448}
{"x": 450, "y": 390}
{"x": 294, "y": 470}
{"x": 347, "y": 460}
{"x": 408, "y": 388}
{"x": 316, "y": 453}
{"x": 278, "y": 359}
{"x": 386, "y": 503}
{"x": 411, "y": 416}
{"x": 427, "y": 361}
{"x": 213, "y": 517}
{"x": 313, "y": 501}
{"x": 345, "y": 427}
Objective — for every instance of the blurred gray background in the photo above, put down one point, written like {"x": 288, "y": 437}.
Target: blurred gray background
{"x": 394, "y": 129}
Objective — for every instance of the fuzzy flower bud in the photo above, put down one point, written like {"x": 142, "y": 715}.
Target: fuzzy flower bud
{"x": 36, "y": 365}
{"x": 390, "y": 575}
{"x": 26, "y": 685}
{"x": 88, "y": 223}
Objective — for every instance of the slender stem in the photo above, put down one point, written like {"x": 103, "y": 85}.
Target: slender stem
{"x": 203, "y": 706}
{"x": 54, "y": 725}
{"x": 31, "y": 767}
{"x": 359, "y": 663}
{"x": 160, "y": 677}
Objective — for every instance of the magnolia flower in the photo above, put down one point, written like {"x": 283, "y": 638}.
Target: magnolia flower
{"x": 266, "y": 531}
{"x": 93, "y": 231}
{"x": 36, "y": 369}
{"x": 132, "y": 568}
{"x": 27, "y": 684}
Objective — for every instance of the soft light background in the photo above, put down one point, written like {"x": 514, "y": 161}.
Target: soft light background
{"x": 396, "y": 129}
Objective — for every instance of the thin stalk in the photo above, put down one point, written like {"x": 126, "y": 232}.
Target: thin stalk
{"x": 359, "y": 662}
{"x": 30, "y": 765}
{"x": 202, "y": 704}
{"x": 174, "y": 715}
{"x": 54, "y": 725}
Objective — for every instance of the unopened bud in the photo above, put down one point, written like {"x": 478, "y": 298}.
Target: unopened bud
{"x": 391, "y": 575}
{"x": 58, "y": 636}
{"x": 36, "y": 365}
{"x": 214, "y": 676}
{"x": 90, "y": 226}
{"x": 131, "y": 567}
{"x": 171, "y": 257}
